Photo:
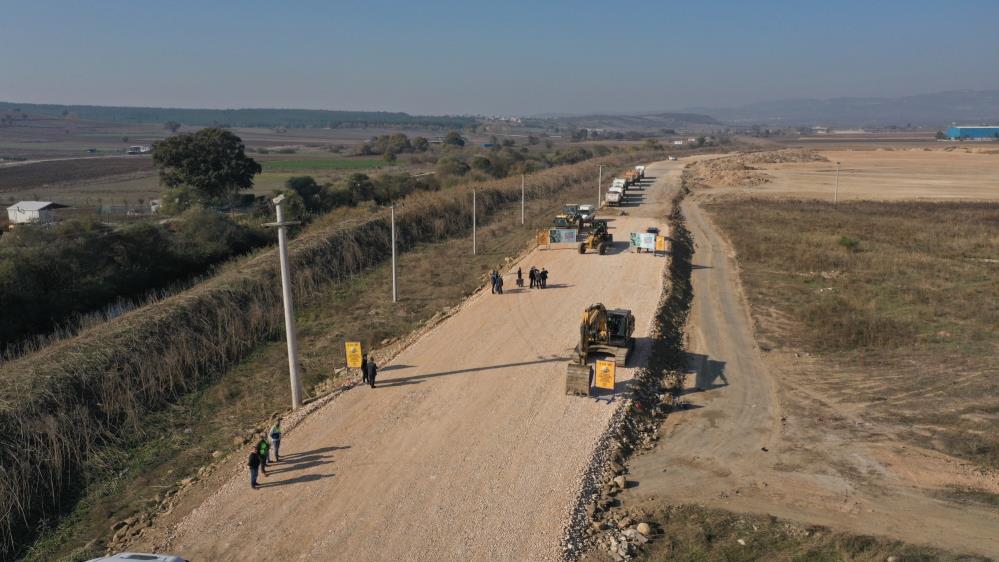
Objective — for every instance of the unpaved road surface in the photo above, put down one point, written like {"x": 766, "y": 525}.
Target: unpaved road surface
{"x": 468, "y": 449}
{"x": 753, "y": 442}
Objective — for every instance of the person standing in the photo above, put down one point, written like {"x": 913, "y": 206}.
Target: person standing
{"x": 263, "y": 451}
{"x": 532, "y": 275}
{"x": 372, "y": 372}
{"x": 544, "y": 278}
{"x": 254, "y": 463}
{"x": 276, "y": 439}
{"x": 364, "y": 369}
{"x": 520, "y": 277}
{"x": 499, "y": 284}
{"x": 492, "y": 278}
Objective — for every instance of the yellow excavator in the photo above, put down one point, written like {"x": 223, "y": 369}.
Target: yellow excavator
{"x": 603, "y": 331}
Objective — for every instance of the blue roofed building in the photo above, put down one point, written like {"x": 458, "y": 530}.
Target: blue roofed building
{"x": 974, "y": 132}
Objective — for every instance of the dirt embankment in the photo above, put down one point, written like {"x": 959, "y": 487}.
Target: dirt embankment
{"x": 740, "y": 170}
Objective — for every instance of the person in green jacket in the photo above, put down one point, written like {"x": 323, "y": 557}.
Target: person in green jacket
{"x": 263, "y": 449}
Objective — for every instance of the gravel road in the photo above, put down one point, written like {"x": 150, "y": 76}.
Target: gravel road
{"x": 468, "y": 449}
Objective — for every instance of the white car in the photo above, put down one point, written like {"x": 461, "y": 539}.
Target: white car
{"x": 137, "y": 556}
{"x": 586, "y": 212}
{"x": 671, "y": 157}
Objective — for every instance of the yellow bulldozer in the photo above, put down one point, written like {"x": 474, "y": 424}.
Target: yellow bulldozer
{"x": 601, "y": 331}
{"x": 598, "y": 239}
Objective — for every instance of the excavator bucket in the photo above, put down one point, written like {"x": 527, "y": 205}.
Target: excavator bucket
{"x": 578, "y": 378}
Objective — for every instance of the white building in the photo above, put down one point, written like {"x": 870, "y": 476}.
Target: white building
{"x": 39, "y": 212}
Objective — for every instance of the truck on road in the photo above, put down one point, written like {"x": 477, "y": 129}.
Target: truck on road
{"x": 614, "y": 195}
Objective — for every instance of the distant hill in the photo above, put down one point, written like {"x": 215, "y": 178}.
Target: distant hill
{"x": 240, "y": 117}
{"x": 934, "y": 110}
{"x": 642, "y": 122}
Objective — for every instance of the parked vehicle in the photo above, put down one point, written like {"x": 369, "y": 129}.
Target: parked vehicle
{"x": 614, "y": 196}
{"x": 620, "y": 184}
{"x": 641, "y": 172}
{"x": 586, "y": 213}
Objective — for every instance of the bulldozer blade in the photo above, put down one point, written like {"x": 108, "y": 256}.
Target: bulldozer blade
{"x": 577, "y": 379}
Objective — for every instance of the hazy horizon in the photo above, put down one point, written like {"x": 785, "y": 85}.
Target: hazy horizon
{"x": 517, "y": 59}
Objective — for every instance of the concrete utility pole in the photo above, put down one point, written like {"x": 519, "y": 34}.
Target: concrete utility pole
{"x": 836, "y": 192}
{"x": 289, "y": 310}
{"x": 473, "y": 223}
{"x": 395, "y": 290}
{"x": 522, "y": 197}
{"x": 600, "y": 181}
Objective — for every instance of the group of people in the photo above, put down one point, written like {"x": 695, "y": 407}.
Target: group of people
{"x": 369, "y": 370}
{"x": 538, "y": 277}
{"x": 260, "y": 454}
{"x": 497, "y": 282}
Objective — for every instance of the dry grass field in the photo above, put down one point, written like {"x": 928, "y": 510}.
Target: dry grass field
{"x": 965, "y": 172}
{"x": 897, "y": 300}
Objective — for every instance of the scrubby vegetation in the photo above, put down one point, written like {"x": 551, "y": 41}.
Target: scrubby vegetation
{"x": 709, "y": 535}
{"x": 48, "y": 275}
{"x": 899, "y": 297}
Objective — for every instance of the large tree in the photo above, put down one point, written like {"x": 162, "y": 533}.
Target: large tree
{"x": 212, "y": 162}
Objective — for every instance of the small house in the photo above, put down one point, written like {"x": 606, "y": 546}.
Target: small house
{"x": 33, "y": 212}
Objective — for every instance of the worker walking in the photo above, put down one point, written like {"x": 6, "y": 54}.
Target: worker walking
{"x": 254, "y": 463}
{"x": 371, "y": 372}
{"x": 263, "y": 450}
{"x": 276, "y": 439}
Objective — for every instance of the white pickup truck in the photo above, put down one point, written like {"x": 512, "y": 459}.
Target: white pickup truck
{"x": 620, "y": 183}
{"x": 614, "y": 195}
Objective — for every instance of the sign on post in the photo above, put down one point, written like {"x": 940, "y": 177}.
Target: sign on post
{"x": 661, "y": 244}
{"x": 604, "y": 376}
{"x": 354, "y": 355}
{"x": 562, "y": 236}
{"x": 643, "y": 241}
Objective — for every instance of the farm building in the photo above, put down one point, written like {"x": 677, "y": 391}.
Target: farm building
{"x": 39, "y": 212}
{"x": 974, "y": 132}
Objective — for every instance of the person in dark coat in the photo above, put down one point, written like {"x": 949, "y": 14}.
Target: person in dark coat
{"x": 544, "y": 278}
{"x": 372, "y": 372}
{"x": 254, "y": 463}
{"x": 493, "y": 277}
{"x": 499, "y": 284}
{"x": 533, "y": 276}
{"x": 520, "y": 277}
{"x": 364, "y": 369}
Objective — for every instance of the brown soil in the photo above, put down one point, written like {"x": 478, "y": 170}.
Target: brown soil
{"x": 754, "y": 441}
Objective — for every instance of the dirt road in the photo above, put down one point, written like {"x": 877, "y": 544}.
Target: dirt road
{"x": 468, "y": 449}
{"x": 753, "y": 442}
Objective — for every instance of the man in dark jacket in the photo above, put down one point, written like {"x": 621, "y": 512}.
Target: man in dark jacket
{"x": 364, "y": 369}
{"x": 254, "y": 463}
{"x": 371, "y": 372}
{"x": 532, "y": 275}
{"x": 544, "y": 278}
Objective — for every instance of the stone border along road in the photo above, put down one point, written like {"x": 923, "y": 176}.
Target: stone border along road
{"x": 469, "y": 449}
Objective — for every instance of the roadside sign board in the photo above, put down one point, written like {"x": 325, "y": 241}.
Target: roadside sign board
{"x": 643, "y": 240}
{"x": 562, "y": 236}
{"x": 543, "y": 238}
{"x": 661, "y": 244}
{"x": 604, "y": 375}
{"x": 354, "y": 356}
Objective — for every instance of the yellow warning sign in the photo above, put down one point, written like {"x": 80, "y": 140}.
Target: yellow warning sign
{"x": 604, "y": 375}
{"x": 354, "y": 356}
{"x": 660, "y": 243}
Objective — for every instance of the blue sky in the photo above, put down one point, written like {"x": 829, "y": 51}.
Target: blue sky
{"x": 510, "y": 57}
